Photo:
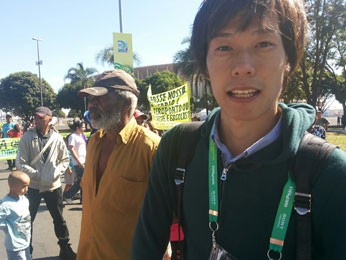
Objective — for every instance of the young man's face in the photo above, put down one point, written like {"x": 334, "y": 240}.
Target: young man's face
{"x": 8, "y": 119}
{"x": 246, "y": 70}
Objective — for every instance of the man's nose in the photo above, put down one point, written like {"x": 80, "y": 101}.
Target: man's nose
{"x": 242, "y": 65}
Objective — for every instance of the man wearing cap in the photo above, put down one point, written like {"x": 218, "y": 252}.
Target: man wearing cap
{"x": 42, "y": 154}
{"x": 140, "y": 117}
{"x": 118, "y": 161}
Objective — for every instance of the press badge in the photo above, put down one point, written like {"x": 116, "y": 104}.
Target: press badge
{"x": 219, "y": 253}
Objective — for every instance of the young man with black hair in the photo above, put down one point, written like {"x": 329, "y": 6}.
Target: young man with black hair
{"x": 241, "y": 168}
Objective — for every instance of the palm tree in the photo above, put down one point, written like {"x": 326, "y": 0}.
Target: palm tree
{"x": 81, "y": 76}
{"x": 106, "y": 56}
{"x": 184, "y": 64}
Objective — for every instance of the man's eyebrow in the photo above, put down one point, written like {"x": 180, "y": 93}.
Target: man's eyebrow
{"x": 256, "y": 32}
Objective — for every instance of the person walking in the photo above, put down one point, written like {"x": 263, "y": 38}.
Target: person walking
{"x": 77, "y": 147}
{"x": 240, "y": 168}
{"x": 42, "y": 154}
{"x": 15, "y": 217}
{"x": 15, "y": 132}
{"x": 118, "y": 159}
{"x": 4, "y": 130}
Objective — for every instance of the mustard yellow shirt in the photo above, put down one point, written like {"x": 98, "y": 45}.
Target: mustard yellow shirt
{"x": 109, "y": 216}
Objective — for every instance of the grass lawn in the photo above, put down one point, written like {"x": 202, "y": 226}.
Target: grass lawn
{"x": 338, "y": 139}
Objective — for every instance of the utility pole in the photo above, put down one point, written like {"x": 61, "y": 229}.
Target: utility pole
{"x": 120, "y": 17}
{"x": 39, "y": 63}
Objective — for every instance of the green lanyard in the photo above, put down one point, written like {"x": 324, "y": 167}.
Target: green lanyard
{"x": 283, "y": 213}
{"x": 213, "y": 183}
{"x": 282, "y": 218}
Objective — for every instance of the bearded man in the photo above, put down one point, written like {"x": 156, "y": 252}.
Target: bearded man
{"x": 118, "y": 161}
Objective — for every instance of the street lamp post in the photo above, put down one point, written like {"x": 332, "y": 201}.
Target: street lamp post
{"x": 120, "y": 17}
{"x": 39, "y": 63}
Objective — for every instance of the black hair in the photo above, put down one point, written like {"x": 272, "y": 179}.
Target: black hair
{"x": 214, "y": 15}
{"x": 76, "y": 124}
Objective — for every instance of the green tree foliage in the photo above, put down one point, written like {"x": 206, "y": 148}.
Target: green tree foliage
{"x": 67, "y": 98}
{"x": 159, "y": 82}
{"x": 184, "y": 62}
{"x": 59, "y": 113}
{"x": 74, "y": 114}
{"x": 326, "y": 24}
{"x": 80, "y": 78}
{"x": 294, "y": 90}
{"x": 184, "y": 65}
{"x": 20, "y": 92}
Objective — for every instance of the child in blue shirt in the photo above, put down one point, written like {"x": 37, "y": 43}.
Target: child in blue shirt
{"x": 15, "y": 218}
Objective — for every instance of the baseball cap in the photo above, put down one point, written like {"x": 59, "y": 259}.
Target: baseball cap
{"x": 117, "y": 79}
{"x": 42, "y": 111}
{"x": 138, "y": 113}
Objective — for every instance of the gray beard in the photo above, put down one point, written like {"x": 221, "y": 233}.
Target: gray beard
{"x": 107, "y": 121}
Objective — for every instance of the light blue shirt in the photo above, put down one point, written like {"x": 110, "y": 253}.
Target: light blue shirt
{"x": 5, "y": 128}
{"x": 15, "y": 221}
{"x": 226, "y": 155}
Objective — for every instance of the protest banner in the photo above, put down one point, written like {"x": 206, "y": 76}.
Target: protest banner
{"x": 170, "y": 108}
{"x": 8, "y": 148}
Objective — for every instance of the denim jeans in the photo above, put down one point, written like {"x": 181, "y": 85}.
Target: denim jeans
{"x": 55, "y": 205}
{"x": 19, "y": 255}
{"x": 76, "y": 185}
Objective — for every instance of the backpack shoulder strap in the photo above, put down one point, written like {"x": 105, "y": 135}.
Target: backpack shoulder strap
{"x": 189, "y": 134}
{"x": 184, "y": 150}
{"x": 185, "y": 147}
{"x": 313, "y": 152}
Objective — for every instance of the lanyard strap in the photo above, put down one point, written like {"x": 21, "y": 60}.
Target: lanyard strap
{"x": 283, "y": 213}
{"x": 213, "y": 183}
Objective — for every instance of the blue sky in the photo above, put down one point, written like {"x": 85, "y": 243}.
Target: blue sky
{"x": 75, "y": 31}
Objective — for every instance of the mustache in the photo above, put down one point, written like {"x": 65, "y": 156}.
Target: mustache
{"x": 94, "y": 110}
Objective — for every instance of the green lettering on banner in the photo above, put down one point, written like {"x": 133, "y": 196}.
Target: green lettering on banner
{"x": 8, "y": 148}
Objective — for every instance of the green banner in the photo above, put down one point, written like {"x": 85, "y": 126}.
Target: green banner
{"x": 8, "y": 148}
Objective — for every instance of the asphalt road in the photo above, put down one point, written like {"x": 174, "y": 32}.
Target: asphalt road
{"x": 44, "y": 240}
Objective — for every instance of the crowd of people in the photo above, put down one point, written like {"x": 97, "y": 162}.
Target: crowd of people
{"x": 235, "y": 195}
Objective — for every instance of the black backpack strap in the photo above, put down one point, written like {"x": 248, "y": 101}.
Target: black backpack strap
{"x": 184, "y": 149}
{"x": 313, "y": 151}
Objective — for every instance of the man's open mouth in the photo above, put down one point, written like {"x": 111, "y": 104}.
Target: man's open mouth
{"x": 243, "y": 93}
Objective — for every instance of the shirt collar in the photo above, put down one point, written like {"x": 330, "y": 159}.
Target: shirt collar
{"x": 228, "y": 158}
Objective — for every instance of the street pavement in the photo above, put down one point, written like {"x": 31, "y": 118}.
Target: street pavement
{"x": 44, "y": 240}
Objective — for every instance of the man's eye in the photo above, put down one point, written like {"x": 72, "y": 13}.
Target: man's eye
{"x": 264, "y": 44}
{"x": 224, "y": 48}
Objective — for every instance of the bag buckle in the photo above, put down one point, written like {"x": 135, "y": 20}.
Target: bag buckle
{"x": 179, "y": 176}
{"x": 302, "y": 203}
